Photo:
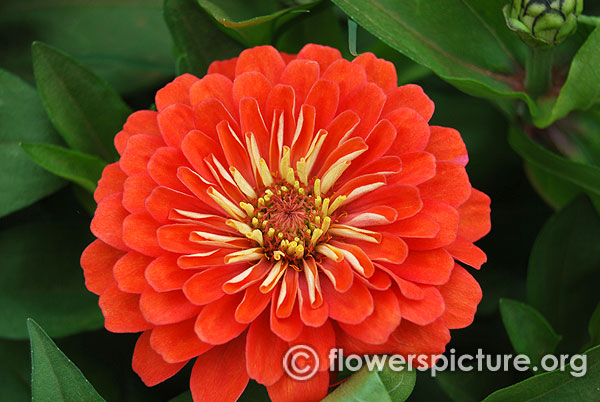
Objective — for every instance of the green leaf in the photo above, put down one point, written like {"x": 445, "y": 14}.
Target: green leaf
{"x": 22, "y": 118}
{"x": 136, "y": 55}
{"x": 41, "y": 278}
{"x": 582, "y": 88}
{"x": 480, "y": 57}
{"x": 85, "y": 110}
{"x": 373, "y": 385}
{"x": 53, "y": 376}
{"x": 583, "y": 176}
{"x": 197, "y": 38}
{"x": 594, "y": 327}
{"x": 15, "y": 371}
{"x": 253, "y": 22}
{"x": 564, "y": 270}
{"x": 556, "y": 386}
{"x": 75, "y": 166}
{"x": 528, "y": 330}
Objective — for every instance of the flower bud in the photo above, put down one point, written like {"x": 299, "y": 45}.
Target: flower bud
{"x": 543, "y": 23}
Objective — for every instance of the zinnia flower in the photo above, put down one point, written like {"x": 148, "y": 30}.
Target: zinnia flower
{"x": 284, "y": 200}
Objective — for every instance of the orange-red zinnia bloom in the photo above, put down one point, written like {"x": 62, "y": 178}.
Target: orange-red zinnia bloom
{"x": 284, "y": 200}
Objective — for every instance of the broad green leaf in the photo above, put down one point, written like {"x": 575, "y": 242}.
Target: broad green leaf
{"x": 580, "y": 175}
{"x": 15, "y": 371}
{"x": 41, "y": 278}
{"x": 529, "y": 332}
{"x": 471, "y": 386}
{"x": 69, "y": 164}
{"x": 22, "y": 118}
{"x": 53, "y": 376}
{"x": 594, "y": 327}
{"x": 373, "y": 385}
{"x": 556, "y": 386}
{"x": 582, "y": 88}
{"x": 564, "y": 270}
{"x": 125, "y": 42}
{"x": 85, "y": 110}
{"x": 253, "y": 22}
{"x": 197, "y": 38}
{"x": 480, "y": 57}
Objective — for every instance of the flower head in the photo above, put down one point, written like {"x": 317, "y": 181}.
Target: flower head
{"x": 543, "y": 23}
{"x": 284, "y": 200}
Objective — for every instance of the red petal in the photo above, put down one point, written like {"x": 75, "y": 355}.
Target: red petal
{"x": 311, "y": 316}
{"x": 176, "y": 238}
{"x": 216, "y": 323}
{"x": 301, "y": 75}
{"x": 107, "y": 224}
{"x": 257, "y": 272}
{"x": 264, "y": 352}
{"x": 264, "y": 59}
{"x": 324, "y": 55}
{"x": 163, "y": 166}
{"x": 166, "y": 307}
{"x": 235, "y": 152}
{"x": 214, "y": 86}
{"x": 135, "y": 191}
{"x": 411, "y": 128}
{"x": 129, "y": 272}
{"x": 447, "y": 145}
{"x": 321, "y": 340}
{"x": 111, "y": 181}
{"x": 461, "y": 294}
{"x": 290, "y": 390}
{"x": 420, "y": 226}
{"x": 252, "y": 121}
{"x": 97, "y": 262}
{"x": 431, "y": 267}
{"x": 347, "y": 75}
{"x": 280, "y": 100}
{"x": 139, "y": 233}
{"x": 377, "y": 327}
{"x": 149, "y": 365}
{"x": 338, "y": 129}
{"x": 287, "y": 328}
{"x": 177, "y": 342}
{"x": 378, "y": 141}
{"x": 196, "y": 146}
{"x": 163, "y": 200}
{"x": 358, "y": 258}
{"x": 391, "y": 249}
{"x": 339, "y": 273}
{"x": 475, "y": 216}
{"x": 465, "y": 251}
{"x": 446, "y": 217}
{"x": 367, "y": 101}
{"x": 140, "y": 122}
{"x": 417, "y": 168}
{"x": 324, "y": 96}
{"x": 252, "y": 305}
{"x": 351, "y": 307}
{"x": 138, "y": 151}
{"x": 302, "y": 142}
{"x": 163, "y": 274}
{"x": 207, "y": 286}
{"x": 252, "y": 85}
{"x": 410, "y": 96}
{"x": 122, "y": 311}
{"x": 175, "y": 122}
{"x": 450, "y": 184}
{"x": 220, "y": 374}
{"x": 405, "y": 199}
{"x": 175, "y": 92}
{"x": 379, "y": 71}
{"x": 209, "y": 113}
{"x": 425, "y": 311}
{"x": 225, "y": 67}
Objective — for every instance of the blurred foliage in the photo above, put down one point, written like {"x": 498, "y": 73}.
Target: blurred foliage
{"x": 531, "y": 155}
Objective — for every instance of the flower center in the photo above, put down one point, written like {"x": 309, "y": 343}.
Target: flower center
{"x": 291, "y": 219}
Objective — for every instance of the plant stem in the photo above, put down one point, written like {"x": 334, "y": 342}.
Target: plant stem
{"x": 538, "y": 70}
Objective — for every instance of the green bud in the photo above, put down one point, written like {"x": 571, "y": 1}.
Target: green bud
{"x": 543, "y": 23}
